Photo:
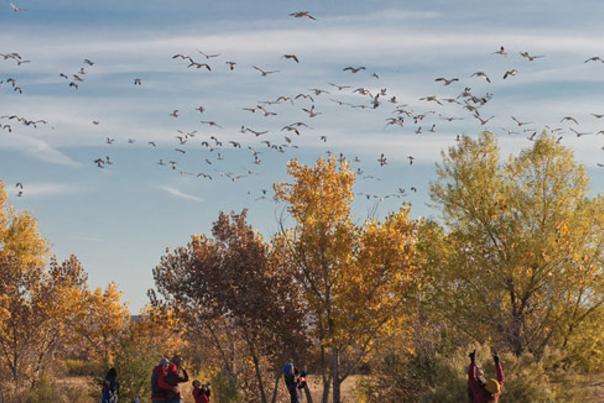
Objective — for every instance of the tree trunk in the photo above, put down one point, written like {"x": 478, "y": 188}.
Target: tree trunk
{"x": 252, "y": 348}
{"x": 276, "y": 388}
{"x": 326, "y": 388}
{"x": 259, "y": 377}
{"x": 335, "y": 373}
{"x": 307, "y": 394}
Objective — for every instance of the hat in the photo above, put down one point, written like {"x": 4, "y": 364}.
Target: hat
{"x": 492, "y": 386}
{"x": 164, "y": 361}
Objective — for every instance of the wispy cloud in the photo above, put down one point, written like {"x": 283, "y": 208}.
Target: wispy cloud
{"x": 38, "y": 149}
{"x": 180, "y": 194}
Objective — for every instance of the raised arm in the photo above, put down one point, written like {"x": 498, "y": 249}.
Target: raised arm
{"x": 473, "y": 369}
{"x": 498, "y": 369}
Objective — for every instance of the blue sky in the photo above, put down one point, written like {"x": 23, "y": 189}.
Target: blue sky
{"x": 118, "y": 220}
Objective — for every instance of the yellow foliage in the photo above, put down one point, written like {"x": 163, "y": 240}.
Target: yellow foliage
{"x": 356, "y": 278}
{"x": 525, "y": 259}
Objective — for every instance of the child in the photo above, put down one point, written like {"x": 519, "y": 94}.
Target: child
{"x": 201, "y": 393}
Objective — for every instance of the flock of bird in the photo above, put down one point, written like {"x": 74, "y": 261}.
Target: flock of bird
{"x": 312, "y": 102}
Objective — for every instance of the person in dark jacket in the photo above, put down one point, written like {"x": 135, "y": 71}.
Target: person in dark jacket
{"x": 111, "y": 387}
{"x": 173, "y": 378}
{"x": 294, "y": 380}
{"x": 481, "y": 390}
{"x": 161, "y": 391}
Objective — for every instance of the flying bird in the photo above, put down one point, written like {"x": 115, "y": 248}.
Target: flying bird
{"x": 211, "y": 123}
{"x": 570, "y": 119}
{"x": 199, "y": 65}
{"x": 481, "y": 74}
{"x": 340, "y": 87}
{"x": 208, "y": 56}
{"x": 529, "y": 57}
{"x": 354, "y": 70}
{"x": 519, "y": 123}
{"x": 594, "y": 59}
{"x": 15, "y": 8}
{"x": 445, "y": 81}
{"x": 311, "y": 112}
{"x": 291, "y": 57}
{"x": 510, "y": 73}
{"x": 302, "y": 14}
{"x": 501, "y": 51}
{"x": 265, "y": 72}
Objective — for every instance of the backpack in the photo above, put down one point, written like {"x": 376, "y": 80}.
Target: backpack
{"x": 289, "y": 373}
{"x": 155, "y": 390}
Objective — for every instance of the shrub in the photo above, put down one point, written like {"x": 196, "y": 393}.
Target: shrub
{"x": 49, "y": 391}
{"x": 134, "y": 364}
{"x": 76, "y": 367}
{"x": 443, "y": 379}
{"x": 225, "y": 388}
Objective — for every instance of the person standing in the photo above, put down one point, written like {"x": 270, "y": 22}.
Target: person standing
{"x": 111, "y": 387}
{"x": 173, "y": 378}
{"x": 160, "y": 389}
{"x": 290, "y": 376}
{"x": 201, "y": 392}
{"x": 481, "y": 390}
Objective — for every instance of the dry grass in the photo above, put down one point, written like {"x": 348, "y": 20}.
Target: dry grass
{"x": 314, "y": 383}
{"x": 347, "y": 389}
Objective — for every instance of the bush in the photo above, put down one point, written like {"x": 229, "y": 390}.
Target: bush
{"x": 134, "y": 364}
{"x": 225, "y": 388}
{"x": 443, "y": 379}
{"x": 75, "y": 367}
{"x": 48, "y": 391}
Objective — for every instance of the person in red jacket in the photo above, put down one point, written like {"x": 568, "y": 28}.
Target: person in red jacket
{"x": 481, "y": 390}
{"x": 201, "y": 393}
{"x": 161, "y": 390}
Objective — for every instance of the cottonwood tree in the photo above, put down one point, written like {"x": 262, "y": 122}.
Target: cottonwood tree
{"x": 525, "y": 266}
{"x": 104, "y": 323}
{"x": 355, "y": 278}
{"x": 233, "y": 277}
{"x": 39, "y": 302}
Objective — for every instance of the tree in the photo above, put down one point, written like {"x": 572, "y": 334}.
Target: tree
{"x": 355, "y": 278}
{"x": 233, "y": 277}
{"x": 104, "y": 324}
{"x": 38, "y": 303}
{"x": 525, "y": 241}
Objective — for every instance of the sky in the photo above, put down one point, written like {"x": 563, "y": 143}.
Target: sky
{"x": 118, "y": 220}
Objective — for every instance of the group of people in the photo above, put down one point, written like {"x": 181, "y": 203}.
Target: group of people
{"x": 169, "y": 374}
{"x": 166, "y": 378}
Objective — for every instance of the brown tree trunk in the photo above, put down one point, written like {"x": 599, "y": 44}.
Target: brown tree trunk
{"x": 259, "y": 377}
{"x": 276, "y": 388}
{"x": 335, "y": 373}
{"x": 250, "y": 344}
{"x": 326, "y": 388}
{"x": 307, "y": 394}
